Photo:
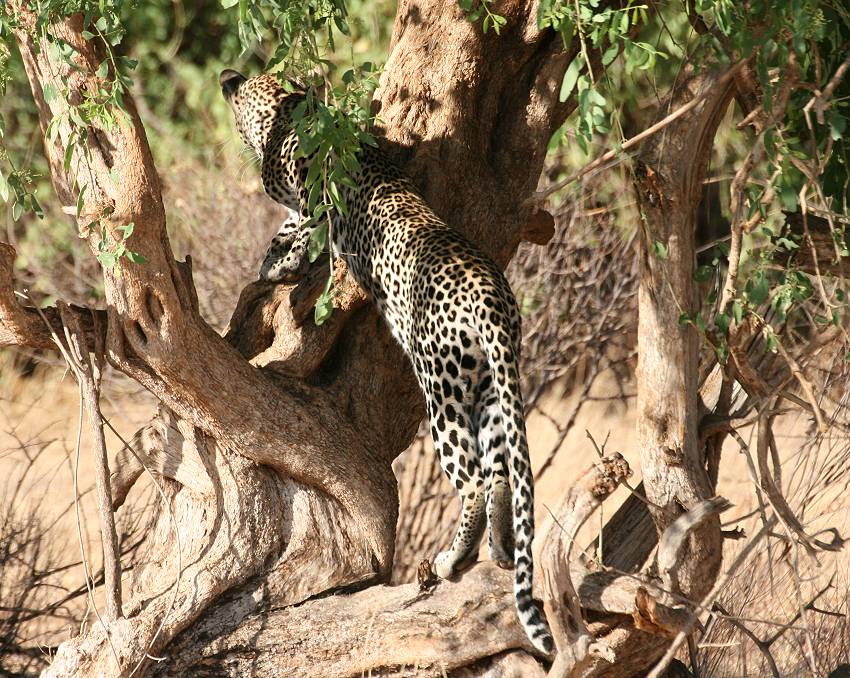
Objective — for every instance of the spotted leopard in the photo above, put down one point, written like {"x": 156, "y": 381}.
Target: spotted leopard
{"x": 448, "y": 305}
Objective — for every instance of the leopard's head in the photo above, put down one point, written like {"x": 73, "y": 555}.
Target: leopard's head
{"x": 258, "y": 105}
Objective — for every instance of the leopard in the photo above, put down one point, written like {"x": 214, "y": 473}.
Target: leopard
{"x": 446, "y": 302}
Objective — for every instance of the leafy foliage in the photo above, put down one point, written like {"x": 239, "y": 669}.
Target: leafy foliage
{"x": 796, "y": 46}
{"x": 331, "y": 126}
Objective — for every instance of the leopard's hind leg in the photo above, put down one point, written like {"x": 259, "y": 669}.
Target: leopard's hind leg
{"x": 451, "y": 429}
{"x": 487, "y": 419}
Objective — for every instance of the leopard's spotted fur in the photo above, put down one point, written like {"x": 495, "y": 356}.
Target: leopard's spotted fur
{"x": 448, "y": 305}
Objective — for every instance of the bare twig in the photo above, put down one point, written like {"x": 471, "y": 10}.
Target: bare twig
{"x": 88, "y": 378}
{"x": 821, "y": 99}
{"x": 774, "y": 494}
{"x": 762, "y": 646}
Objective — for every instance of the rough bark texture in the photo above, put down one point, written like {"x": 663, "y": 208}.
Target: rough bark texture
{"x": 275, "y": 442}
{"x": 668, "y": 183}
{"x": 469, "y": 116}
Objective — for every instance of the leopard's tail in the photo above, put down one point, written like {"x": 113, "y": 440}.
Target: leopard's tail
{"x": 504, "y": 363}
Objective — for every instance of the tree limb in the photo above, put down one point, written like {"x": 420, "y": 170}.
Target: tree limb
{"x": 573, "y": 641}
{"x": 154, "y": 333}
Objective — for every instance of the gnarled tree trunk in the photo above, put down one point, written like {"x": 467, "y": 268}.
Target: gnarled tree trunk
{"x": 275, "y": 442}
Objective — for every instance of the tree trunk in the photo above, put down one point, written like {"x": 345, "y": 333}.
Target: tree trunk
{"x": 308, "y": 419}
{"x": 275, "y": 442}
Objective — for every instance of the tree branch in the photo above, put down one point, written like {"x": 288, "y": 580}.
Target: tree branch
{"x": 576, "y": 647}
{"x": 25, "y": 326}
{"x": 154, "y": 333}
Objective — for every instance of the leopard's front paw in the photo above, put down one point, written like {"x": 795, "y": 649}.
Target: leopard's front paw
{"x": 284, "y": 262}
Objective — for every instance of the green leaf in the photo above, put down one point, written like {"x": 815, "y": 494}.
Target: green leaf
{"x": 659, "y": 249}
{"x": 570, "y": 78}
{"x": 135, "y": 257}
{"x": 610, "y": 54}
{"x": 703, "y": 274}
{"x": 76, "y": 118}
{"x": 324, "y": 304}
{"x": 49, "y": 91}
{"x": 788, "y": 196}
{"x": 737, "y": 311}
{"x": 80, "y": 200}
{"x": 722, "y": 353}
{"x": 770, "y": 340}
{"x": 837, "y": 124}
{"x": 318, "y": 242}
{"x": 107, "y": 259}
{"x": 53, "y": 129}
{"x": 35, "y": 206}
{"x": 69, "y": 154}
{"x": 757, "y": 289}
{"x": 103, "y": 69}
{"x": 4, "y": 188}
{"x": 17, "y": 210}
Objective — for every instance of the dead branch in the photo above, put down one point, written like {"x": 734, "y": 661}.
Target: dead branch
{"x": 820, "y": 102}
{"x": 710, "y": 597}
{"x": 88, "y": 377}
{"x": 672, "y": 542}
{"x": 23, "y": 326}
{"x": 774, "y": 494}
{"x": 573, "y": 641}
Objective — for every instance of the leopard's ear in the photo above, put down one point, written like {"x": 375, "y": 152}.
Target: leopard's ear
{"x": 230, "y": 81}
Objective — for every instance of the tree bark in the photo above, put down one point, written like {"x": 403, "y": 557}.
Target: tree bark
{"x": 308, "y": 419}
{"x": 275, "y": 442}
{"x": 668, "y": 184}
